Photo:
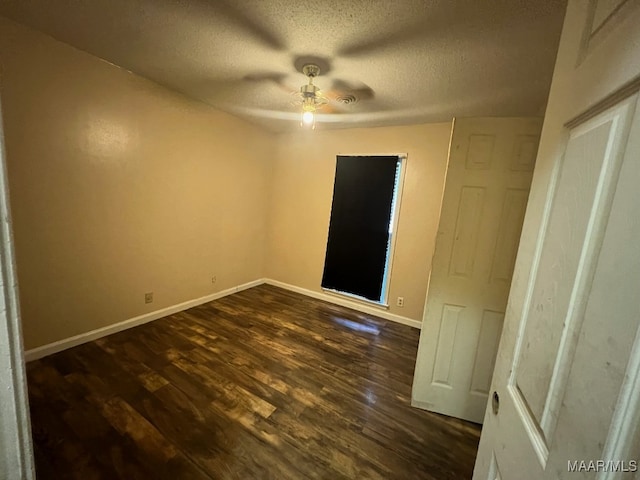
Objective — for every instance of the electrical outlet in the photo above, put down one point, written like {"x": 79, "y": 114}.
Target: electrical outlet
{"x": 214, "y": 279}
{"x": 400, "y": 302}
{"x": 148, "y": 297}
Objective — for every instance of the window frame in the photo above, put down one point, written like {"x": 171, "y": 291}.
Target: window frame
{"x": 395, "y": 219}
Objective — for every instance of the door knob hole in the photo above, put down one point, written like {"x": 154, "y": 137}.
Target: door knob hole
{"x": 495, "y": 403}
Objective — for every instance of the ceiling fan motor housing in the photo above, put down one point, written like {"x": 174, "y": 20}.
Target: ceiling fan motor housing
{"x": 311, "y": 70}
{"x": 311, "y": 96}
{"x": 309, "y": 90}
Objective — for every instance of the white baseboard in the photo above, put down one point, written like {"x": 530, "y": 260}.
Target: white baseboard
{"x": 55, "y": 347}
{"x": 344, "y": 302}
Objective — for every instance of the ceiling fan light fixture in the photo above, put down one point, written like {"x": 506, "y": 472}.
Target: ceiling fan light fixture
{"x": 308, "y": 119}
{"x": 308, "y": 112}
{"x": 311, "y": 96}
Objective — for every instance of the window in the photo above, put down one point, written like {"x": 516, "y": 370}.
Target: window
{"x": 361, "y": 228}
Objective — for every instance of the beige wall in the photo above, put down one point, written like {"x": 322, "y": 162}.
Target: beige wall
{"x": 301, "y": 194}
{"x": 120, "y": 187}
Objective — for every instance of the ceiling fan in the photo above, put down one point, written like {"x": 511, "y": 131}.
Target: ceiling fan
{"x": 310, "y": 98}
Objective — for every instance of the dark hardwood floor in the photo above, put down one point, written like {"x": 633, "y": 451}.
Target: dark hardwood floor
{"x": 263, "y": 384}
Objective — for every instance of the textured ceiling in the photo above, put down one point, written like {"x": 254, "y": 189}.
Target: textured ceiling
{"x": 408, "y": 61}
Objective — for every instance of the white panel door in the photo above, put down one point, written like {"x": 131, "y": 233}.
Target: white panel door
{"x": 490, "y": 168}
{"x": 565, "y": 401}
{"x": 572, "y": 392}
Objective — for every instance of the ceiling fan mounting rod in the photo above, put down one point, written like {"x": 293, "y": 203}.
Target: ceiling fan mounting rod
{"x": 311, "y": 70}
{"x": 310, "y": 91}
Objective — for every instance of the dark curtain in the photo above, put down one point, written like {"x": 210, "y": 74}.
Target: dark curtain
{"x": 359, "y": 226}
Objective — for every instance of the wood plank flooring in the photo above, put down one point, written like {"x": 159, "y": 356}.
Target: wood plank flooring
{"x": 263, "y": 384}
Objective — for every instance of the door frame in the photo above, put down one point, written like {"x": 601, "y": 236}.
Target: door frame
{"x": 16, "y": 450}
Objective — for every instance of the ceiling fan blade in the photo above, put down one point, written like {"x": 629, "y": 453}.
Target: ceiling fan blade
{"x": 244, "y": 21}
{"x": 343, "y": 91}
{"x": 230, "y": 90}
{"x": 277, "y": 78}
{"x": 370, "y": 46}
{"x": 261, "y": 76}
{"x": 428, "y": 22}
{"x": 330, "y": 108}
